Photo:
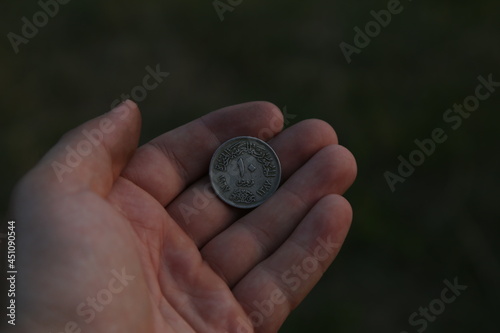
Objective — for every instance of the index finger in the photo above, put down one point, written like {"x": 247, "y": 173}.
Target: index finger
{"x": 165, "y": 166}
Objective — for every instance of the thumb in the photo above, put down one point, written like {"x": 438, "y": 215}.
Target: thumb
{"x": 92, "y": 155}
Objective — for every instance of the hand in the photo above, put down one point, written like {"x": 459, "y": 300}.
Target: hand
{"x": 115, "y": 238}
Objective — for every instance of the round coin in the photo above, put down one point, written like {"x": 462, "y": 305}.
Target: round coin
{"x": 245, "y": 172}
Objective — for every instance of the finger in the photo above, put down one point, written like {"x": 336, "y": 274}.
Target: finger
{"x": 277, "y": 285}
{"x": 256, "y": 235}
{"x": 172, "y": 161}
{"x": 202, "y": 215}
{"x": 92, "y": 155}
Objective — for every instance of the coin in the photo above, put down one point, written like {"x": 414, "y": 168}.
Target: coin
{"x": 245, "y": 172}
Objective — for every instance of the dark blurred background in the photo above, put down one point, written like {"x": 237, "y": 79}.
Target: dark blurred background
{"x": 441, "y": 223}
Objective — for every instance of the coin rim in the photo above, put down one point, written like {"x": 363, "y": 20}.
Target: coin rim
{"x": 212, "y": 161}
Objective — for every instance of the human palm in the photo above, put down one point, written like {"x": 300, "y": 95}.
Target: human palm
{"x": 134, "y": 240}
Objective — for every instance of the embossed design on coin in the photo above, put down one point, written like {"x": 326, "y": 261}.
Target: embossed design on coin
{"x": 245, "y": 172}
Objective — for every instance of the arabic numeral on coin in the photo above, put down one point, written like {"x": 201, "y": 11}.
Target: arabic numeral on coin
{"x": 264, "y": 188}
{"x": 223, "y": 183}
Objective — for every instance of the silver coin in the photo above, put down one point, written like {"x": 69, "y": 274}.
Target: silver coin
{"x": 245, "y": 172}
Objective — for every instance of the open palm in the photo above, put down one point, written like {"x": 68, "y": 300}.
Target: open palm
{"x": 115, "y": 238}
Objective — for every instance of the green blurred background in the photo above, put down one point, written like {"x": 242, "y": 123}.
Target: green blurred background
{"x": 439, "y": 224}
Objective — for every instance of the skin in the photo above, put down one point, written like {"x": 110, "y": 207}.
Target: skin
{"x": 123, "y": 208}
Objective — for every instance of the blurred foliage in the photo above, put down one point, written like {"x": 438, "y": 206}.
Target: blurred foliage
{"x": 440, "y": 223}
